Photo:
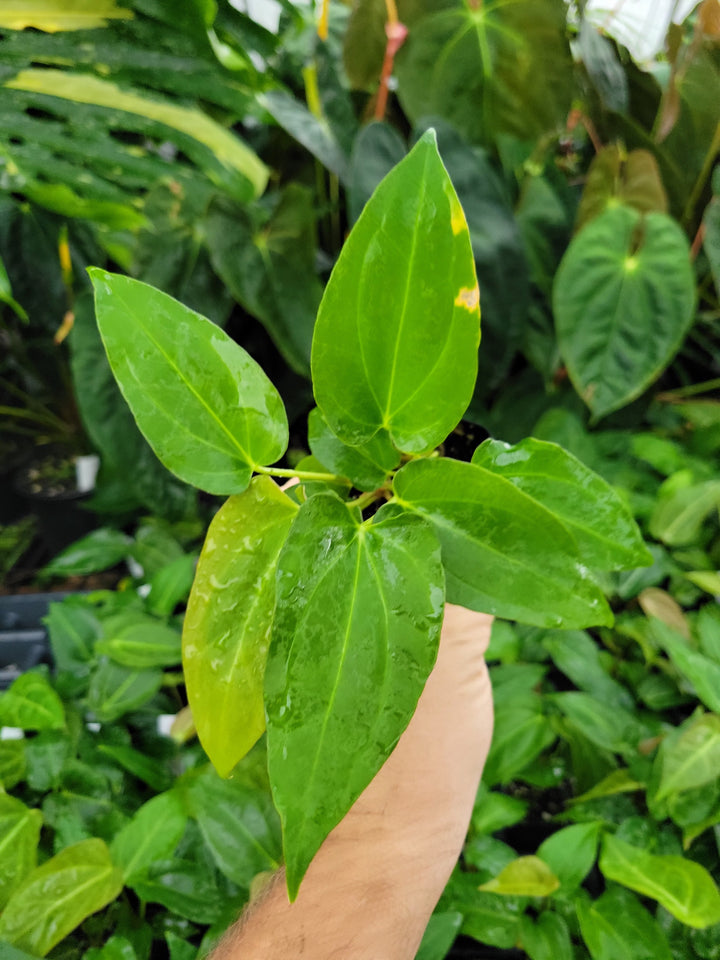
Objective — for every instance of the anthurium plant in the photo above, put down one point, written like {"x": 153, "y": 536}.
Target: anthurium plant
{"x": 315, "y": 613}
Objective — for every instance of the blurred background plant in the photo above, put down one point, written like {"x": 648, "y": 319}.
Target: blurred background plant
{"x": 221, "y": 151}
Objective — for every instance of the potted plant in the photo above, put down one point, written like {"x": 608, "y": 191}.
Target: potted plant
{"x": 384, "y": 528}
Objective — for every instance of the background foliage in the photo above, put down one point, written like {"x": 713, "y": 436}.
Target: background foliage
{"x": 223, "y": 162}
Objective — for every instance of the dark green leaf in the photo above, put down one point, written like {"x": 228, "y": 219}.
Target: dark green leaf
{"x": 616, "y": 176}
{"x": 521, "y": 733}
{"x": 269, "y": 267}
{"x": 356, "y": 627}
{"x": 546, "y": 938}
{"x": 491, "y": 69}
{"x": 171, "y": 585}
{"x": 503, "y": 553}
{"x": 624, "y": 298}
{"x": 238, "y": 823}
{"x": 377, "y": 149}
{"x": 227, "y": 624}
{"x": 607, "y": 725}
{"x": 439, "y": 935}
{"x": 153, "y": 834}
{"x": 205, "y": 405}
{"x": 59, "y": 895}
{"x": 385, "y": 302}
{"x": 97, "y": 551}
{"x": 144, "y": 767}
{"x": 683, "y": 887}
{"x": 366, "y": 465}
{"x": 73, "y": 630}
{"x": 313, "y": 133}
{"x": 603, "y": 527}
{"x": 116, "y": 690}
{"x": 182, "y": 886}
{"x": 617, "y": 927}
{"x": 578, "y": 656}
{"x": 494, "y": 811}
{"x": 31, "y": 704}
{"x": 46, "y": 756}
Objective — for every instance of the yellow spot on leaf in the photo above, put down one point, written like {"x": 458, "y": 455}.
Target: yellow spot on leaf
{"x": 457, "y": 218}
{"x": 468, "y": 298}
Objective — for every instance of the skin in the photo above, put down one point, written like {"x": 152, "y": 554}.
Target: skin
{"x": 374, "y": 883}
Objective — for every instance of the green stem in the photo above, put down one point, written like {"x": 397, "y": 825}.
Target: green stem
{"x": 300, "y": 474}
{"x": 703, "y": 178}
{"x": 690, "y": 391}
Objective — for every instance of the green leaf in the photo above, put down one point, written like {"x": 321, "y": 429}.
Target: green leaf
{"x": 495, "y": 811}
{"x": 711, "y": 241}
{"x": 503, "y": 553}
{"x": 97, "y": 551}
{"x": 227, "y": 148}
{"x": 269, "y": 267}
{"x": 171, "y": 584}
{"x": 59, "y": 895}
{"x": 377, "y": 148}
{"x": 624, "y": 298}
{"x": 183, "y": 887}
{"x": 578, "y": 656}
{"x": 679, "y": 514}
{"x": 153, "y": 834}
{"x": 143, "y": 644}
{"x": 607, "y": 725}
{"x": 314, "y": 133}
{"x": 10, "y": 953}
{"x": 492, "y": 69}
{"x": 73, "y": 630}
{"x": 619, "y": 177}
{"x": 367, "y": 465}
{"x": 227, "y": 625}
{"x": 12, "y": 762}
{"x": 208, "y": 410}
{"x": 617, "y": 927}
{"x": 521, "y": 733}
{"x": 54, "y": 15}
{"x": 546, "y": 938}
{"x": 31, "y": 704}
{"x": 180, "y": 949}
{"x": 691, "y": 759}
{"x": 683, "y": 887}
{"x": 607, "y": 536}
{"x": 570, "y": 853}
{"x": 703, "y": 673}
{"x": 7, "y": 297}
{"x": 115, "y": 948}
{"x": 116, "y": 690}
{"x": 439, "y": 935}
{"x": 19, "y": 837}
{"x": 356, "y": 627}
{"x": 524, "y": 877}
{"x": 140, "y": 765}
{"x": 619, "y": 781}
{"x": 238, "y": 823}
{"x": 386, "y": 301}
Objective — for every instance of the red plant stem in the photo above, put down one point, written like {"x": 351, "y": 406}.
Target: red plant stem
{"x": 396, "y": 33}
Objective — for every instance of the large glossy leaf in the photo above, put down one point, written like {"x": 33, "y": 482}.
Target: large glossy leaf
{"x": 617, "y": 927}
{"x": 503, "y": 553}
{"x": 683, "y": 887}
{"x": 59, "y": 895}
{"x": 54, "y": 15}
{"x": 153, "y": 834}
{"x": 366, "y": 465}
{"x": 238, "y": 823}
{"x": 497, "y": 247}
{"x": 395, "y": 343}
{"x": 228, "y": 149}
{"x": 19, "y": 836}
{"x": 31, "y": 704}
{"x": 489, "y": 68}
{"x": 227, "y": 625}
{"x": 355, "y": 636}
{"x": 691, "y": 759}
{"x": 204, "y": 404}
{"x": 624, "y": 298}
{"x": 268, "y": 265}
{"x": 603, "y": 526}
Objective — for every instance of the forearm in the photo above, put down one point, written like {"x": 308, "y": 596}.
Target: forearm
{"x": 373, "y": 884}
